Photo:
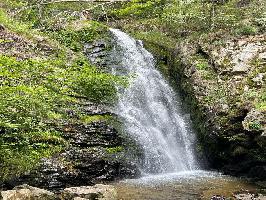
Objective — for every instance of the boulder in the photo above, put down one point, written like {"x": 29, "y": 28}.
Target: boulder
{"x": 98, "y": 191}
{"x": 254, "y": 121}
{"x": 218, "y": 197}
{"x": 26, "y": 192}
{"x": 249, "y": 196}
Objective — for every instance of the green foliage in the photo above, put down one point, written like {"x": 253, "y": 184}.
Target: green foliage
{"x": 34, "y": 96}
{"x": 139, "y": 8}
{"x": 94, "y": 118}
{"x": 98, "y": 87}
{"x": 113, "y": 150}
{"x": 261, "y": 101}
{"x": 13, "y": 25}
{"x": 202, "y": 64}
{"x": 75, "y": 39}
{"x": 247, "y": 30}
{"x": 180, "y": 19}
{"x": 22, "y": 152}
{"x": 254, "y": 126}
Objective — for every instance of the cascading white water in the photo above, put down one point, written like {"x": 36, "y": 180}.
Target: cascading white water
{"x": 151, "y": 112}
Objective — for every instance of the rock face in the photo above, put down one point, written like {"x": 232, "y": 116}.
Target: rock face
{"x": 96, "y": 153}
{"x": 223, "y": 82}
{"x": 224, "y": 85}
{"x": 86, "y": 161}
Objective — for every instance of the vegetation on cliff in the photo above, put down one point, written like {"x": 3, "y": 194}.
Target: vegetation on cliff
{"x": 44, "y": 77}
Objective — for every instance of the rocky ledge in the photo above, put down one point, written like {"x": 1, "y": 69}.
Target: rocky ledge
{"x": 26, "y": 192}
{"x": 96, "y": 152}
{"x": 223, "y": 80}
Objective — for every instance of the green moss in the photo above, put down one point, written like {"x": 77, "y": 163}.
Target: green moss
{"x": 254, "y": 125}
{"x": 158, "y": 38}
{"x": 94, "y": 118}
{"x": 114, "y": 150}
{"x": 202, "y": 65}
{"x": 138, "y": 8}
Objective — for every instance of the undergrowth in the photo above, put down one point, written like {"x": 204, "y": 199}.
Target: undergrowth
{"x": 37, "y": 94}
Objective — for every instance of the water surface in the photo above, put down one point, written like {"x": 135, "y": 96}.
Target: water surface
{"x": 188, "y": 185}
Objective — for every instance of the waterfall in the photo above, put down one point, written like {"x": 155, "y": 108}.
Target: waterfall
{"x": 151, "y": 111}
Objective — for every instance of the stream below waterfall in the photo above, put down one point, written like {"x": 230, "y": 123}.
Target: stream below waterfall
{"x": 153, "y": 116}
{"x": 190, "y": 185}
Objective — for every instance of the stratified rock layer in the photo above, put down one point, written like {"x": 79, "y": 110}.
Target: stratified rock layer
{"x": 225, "y": 86}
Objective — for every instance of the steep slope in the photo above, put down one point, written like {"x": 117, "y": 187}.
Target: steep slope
{"x": 55, "y": 120}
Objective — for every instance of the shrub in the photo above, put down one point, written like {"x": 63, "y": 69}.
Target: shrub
{"x": 247, "y": 30}
{"x": 76, "y": 38}
{"x": 34, "y": 96}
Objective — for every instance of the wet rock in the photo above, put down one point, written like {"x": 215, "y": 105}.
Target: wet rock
{"x": 98, "y": 191}
{"x": 249, "y": 196}
{"x": 26, "y": 192}
{"x": 254, "y": 121}
{"x": 85, "y": 162}
{"x": 225, "y": 99}
{"x": 218, "y": 197}
{"x": 258, "y": 171}
{"x": 94, "y": 109}
{"x": 97, "y": 52}
{"x": 93, "y": 134}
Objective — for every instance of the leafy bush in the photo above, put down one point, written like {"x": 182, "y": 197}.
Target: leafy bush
{"x": 247, "y": 30}
{"x": 98, "y": 87}
{"x": 75, "y": 39}
{"x": 22, "y": 152}
{"x": 140, "y": 8}
{"x": 34, "y": 96}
